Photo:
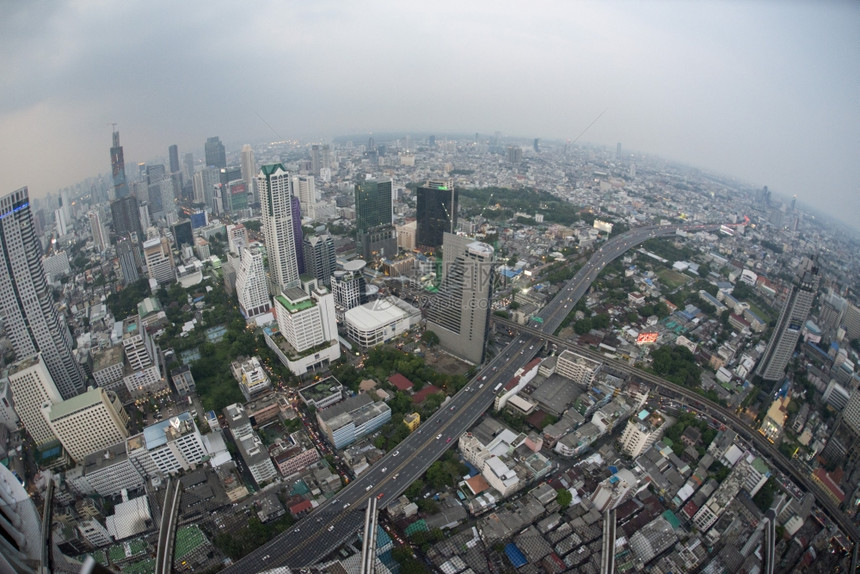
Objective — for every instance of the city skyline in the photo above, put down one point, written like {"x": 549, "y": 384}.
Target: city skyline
{"x": 762, "y": 92}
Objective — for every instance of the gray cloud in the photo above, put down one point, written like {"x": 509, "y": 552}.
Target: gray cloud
{"x": 765, "y": 91}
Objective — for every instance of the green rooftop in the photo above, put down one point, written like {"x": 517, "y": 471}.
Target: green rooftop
{"x": 188, "y": 539}
{"x": 759, "y": 464}
{"x": 294, "y": 308}
{"x": 78, "y": 403}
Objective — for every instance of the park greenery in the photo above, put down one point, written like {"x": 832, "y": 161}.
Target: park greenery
{"x": 510, "y": 201}
{"x": 677, "y": 364}
{"x": 238, "y": 543}
{"x": 124, "y": 303}
{"x": 684, "y": 421}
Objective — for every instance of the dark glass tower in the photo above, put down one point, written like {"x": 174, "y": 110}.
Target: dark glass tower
{"x": 372, "y": 204}
{"x": 126, "y": 217}
{"x": 26, "y": 302}
{"x": 117, "y": 164}
{"x": 173, "y": 153}
{"x": 436, "y": 213}
{"x": 216, "y": 155}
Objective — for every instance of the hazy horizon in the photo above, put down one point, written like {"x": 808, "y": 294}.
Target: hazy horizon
{"x": 762, "y": 91}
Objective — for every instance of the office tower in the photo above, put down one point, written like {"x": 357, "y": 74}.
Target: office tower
{"x": 781, "y": 345}
{"x": 143, "y": 217}
{"x": 159, "y": 260}
{"x": 173, "y": 156}
{"x": 66, "y": 204}
{"x": 349, "y": 287}
{"x": 204, "y": 182}
{"x": 376, "y": 235}
{"x": 536, "y": 145}
{"x": 851, "y": 321}
{"x": 61, "y": 222}
{"x": 32, "y": 386}
{"x": 249, "y": 172}
{"x": 305, "y": 190}
{"x": 98, "y": 231}
{"x": 128, "y": 254}
{"x": 305, "y": 320}
{"x": 251, "y": 285}
{"x": 320, "y": 257}
{"x": 236, "y": 196}
{"x": 155, "y": 173}
{"x": 126, "y": 217}
{"x": 618, "y": 150}
{"x": 143, "y": 371}
{"x": 373, "y": 204}
{"x": 188, "y": 166}
{"x": 515, "y": 154}
{"x": 298, "y": 234}
{"x": 833, "y": 310}
{"x": 21, "y": 541}
{"x": 316, "y": 159}
{"x": 436, "y": 212}
{"x": 87, "y": 423}
{"x": 237, "y": 238}
{"x": 117, "y": 164}
{"x": 166, "y": 447}
{"x": 276, "y": 196}
{"x": 460, "y": 312}
{"x": 228, "y": 174}
{"x": 216, "y": 156}
{"x": 26, "y": 303}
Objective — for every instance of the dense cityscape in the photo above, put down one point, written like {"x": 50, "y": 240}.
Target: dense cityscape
{"x": 411, "y": 353}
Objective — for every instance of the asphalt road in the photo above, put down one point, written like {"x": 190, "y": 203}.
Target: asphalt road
{"x": 335, "y": 522}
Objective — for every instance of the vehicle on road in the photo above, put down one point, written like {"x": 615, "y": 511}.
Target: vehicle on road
{"x": 448, "y": 439}
{"x": 380, "y": 495}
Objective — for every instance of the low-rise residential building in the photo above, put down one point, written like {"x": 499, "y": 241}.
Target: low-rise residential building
{"x": 642, "y": 431}
{"x": 352, "y": 419}
{"x": 167, "y": 447}
{"x": 251, "y": 376}
{"x": 294, "y": 454}
{"x": 577, "y": 368}
{"x": 322, "y": 394}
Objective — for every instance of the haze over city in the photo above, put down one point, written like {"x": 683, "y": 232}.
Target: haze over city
{"x": 765, "y": 91}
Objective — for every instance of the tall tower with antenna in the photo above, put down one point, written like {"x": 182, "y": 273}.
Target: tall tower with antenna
{"x": 117, "y": 165}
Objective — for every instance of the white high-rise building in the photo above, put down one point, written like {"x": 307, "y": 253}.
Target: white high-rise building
{"x": 203, "y": 183}
{"x": 237, "y": 238}
{"x": 26, "y": 304}
{"x": 32, "y": 387}
{"x": 249, "y": 170}
{"x": 251, "y": 288}
{"x": 276, "y": 194}
{"x": 348, "y": 287}
{"x": 159, "y": 260}
{"x": 87, "y": 423}
{"x": 100, "y": 239}
{"x": 143, "y": 374}
{"x": 21, "y": 541}
{"x": 306, "y": 320}
{"x": 305, "y": 190}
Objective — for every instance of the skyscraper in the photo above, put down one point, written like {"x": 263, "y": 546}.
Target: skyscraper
{"x": 216, "y": 155}
{"x": 376, "y": 236}
{"x": 26, "y": 303}
{"x": 173, "y": 156}
{"x": 117, "y": 164}
{"x": 32, "y": 386}
{"x": 275, "y": 185}
{"x": 128, "y": 253}
{"x": 791, "y": 319}
{"x": 320, "y": 257}
{"x": 298, "y": 234}
{"x": 249, "y": 172}
{"x": 372, "y": 204}
{"x": 460, "y": 312}
{"x": 98, "y": 231}
{"x": 21, "y": 542}
{"x": 126, "y": 217}
{"x": 305, "y": 190}
{"x": 437, "y": 212}
{"x": 251, "y": 288}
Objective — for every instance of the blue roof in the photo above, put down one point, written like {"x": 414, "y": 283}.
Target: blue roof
{"x": 154, "y": 434}
{"x": 643, "y": 414}
{"x": 613, "y": 469}
{"x": 515, "y": 555}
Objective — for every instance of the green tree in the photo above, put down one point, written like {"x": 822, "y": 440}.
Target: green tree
{"x": 430, "y": 338}
{"x": 582, "y": 326}
{"x": 563, "y": 497}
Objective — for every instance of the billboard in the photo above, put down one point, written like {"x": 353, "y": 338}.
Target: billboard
{"x": 647, "y": 338}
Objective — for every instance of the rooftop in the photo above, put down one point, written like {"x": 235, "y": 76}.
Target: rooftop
{"x": 83, "y": 401}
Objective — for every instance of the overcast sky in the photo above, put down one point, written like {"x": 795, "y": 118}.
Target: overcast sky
{"x": 765, "y": 91}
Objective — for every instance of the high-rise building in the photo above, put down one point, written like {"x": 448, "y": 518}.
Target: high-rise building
{"x": 305, "y": 190}
{"x": 126, "y": 217}
{"x": 460, "y": 312}
{"x": 274, "y": 183}
{"x": 251, "y": 284}
{"x": 155, "y": 173}
{"x": 87, "y": 423}
{"x": 204, "y": 182}
{"x": 188, "y": 166}
{"x": 98, "y": 231}
{"x": 32, "y": 386}
{"x": 143, "y": 370}
{"x": 515, "y": 154}
{"x": 128, "y": 254}
{"x": 249, "y": 172}
{"x": 437, "y": 203}
{"x": 117, "y": 164}
{"x": 298, "y": 234}
{"x": 237, "y": 238}
{"x": 373, "y": 204}
{"x": 320, "y": 257}
{"x": 851, "y": 321}
{"x": 349, "y": 287}
{"x": 618, "y": 150}
{"x": 26, "y": 304}
{"x": 305, "y": 320}
{"x": 216, "y": 155}
{"x": 791, "y": 319}
{"x": 159, "y": 260}
{"x": 173, "y": 156}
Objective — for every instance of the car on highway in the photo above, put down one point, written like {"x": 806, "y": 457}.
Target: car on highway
{"x": 380, "y": 495}
{"x": 448, "y": 439}
{"x": 346, "y": 505}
